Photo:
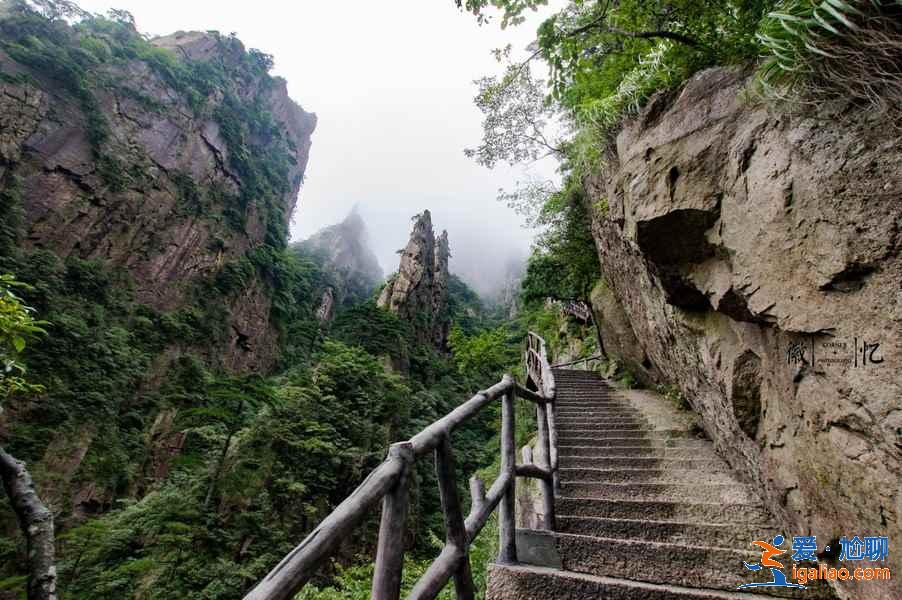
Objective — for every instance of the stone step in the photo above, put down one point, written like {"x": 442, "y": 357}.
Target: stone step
{"x": 665, "y": 563}
{"x": 718, "y": 535}
{"x": 678, "y": 465}
{"x": 595, "y": 405}
{"x": 565, "y": 400}
{"x": 649, "y": 441}
{"x": 590, "y": 401}
{"x": 672, "y": 492}
{"x": 589, "y": 411}
{"x": 582, "y": 425}
{"x": 644, "y": 475}
{"x": 570, "y": 436}
{"x": 575, "y": 417}
{"x": 595, "y": 416}
{"x": 646, "y": 449}
{"x": 664, "y": 510}
{"x": 526, "y": 582}
{"x": 583, "y": 387}
{"x": 597, "y": 410}
{"x": 592, "y": 426}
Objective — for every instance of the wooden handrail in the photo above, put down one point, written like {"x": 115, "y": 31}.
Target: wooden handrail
{"x": 390, "y": 483}
{"x": 579, "y": 360}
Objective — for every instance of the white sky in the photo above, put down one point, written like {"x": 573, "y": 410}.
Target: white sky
{"x": 391, "y": 84}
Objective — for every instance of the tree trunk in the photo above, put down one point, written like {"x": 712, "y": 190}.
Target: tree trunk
{"x": 36, "y": 523}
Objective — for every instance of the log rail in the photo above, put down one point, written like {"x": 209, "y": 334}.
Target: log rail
{"x": 390, "y": 483}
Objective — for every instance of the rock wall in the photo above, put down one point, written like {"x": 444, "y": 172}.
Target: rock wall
{"x": 751, "y": 257}
{"x": 160, "y": 196}
{"x": 418, "y": 292}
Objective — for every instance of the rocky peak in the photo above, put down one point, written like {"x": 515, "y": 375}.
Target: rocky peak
{"x": 419, "y": 291}
{"x": 344, "y": 252}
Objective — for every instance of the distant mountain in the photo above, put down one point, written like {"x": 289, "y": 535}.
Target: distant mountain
{"x": 343, "y": 252}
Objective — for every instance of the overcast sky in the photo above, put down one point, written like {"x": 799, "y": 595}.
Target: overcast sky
{"x": 391, "y": 83}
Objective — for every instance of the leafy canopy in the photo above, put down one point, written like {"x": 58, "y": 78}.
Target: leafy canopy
{"x": 18, "y": 327}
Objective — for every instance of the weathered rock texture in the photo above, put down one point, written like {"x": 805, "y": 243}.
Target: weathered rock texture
{"x": 737, "y": 240}
{"x": 167, "y": 219}
{"x": 344, "y": 252}
{"x": 418, "y": 293}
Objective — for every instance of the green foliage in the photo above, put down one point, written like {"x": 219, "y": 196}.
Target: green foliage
{"x": 564, "y": 263}
{"x": 51, "y": 48}
{"x": 17, "y": 328}
{"x": 834, "y": 49}
{"x": 674, "y": 395}
{"x": 377, "y": 331}
{"x": 11, "y": 214}
{"x": 465, "y": 308}
{"x": 605, "y": 59}
{"x": 488, "y": 353}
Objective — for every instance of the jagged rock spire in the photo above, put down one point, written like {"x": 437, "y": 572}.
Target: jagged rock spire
{"x": 418, "y": 293}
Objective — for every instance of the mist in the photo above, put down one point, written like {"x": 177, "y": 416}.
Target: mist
{"x": 392, "y": 86}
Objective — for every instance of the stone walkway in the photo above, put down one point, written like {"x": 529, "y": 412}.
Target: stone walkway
{"x": 646, "y": 509}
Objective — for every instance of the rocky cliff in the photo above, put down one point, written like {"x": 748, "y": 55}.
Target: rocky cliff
{"x": 344, "y": 253}
{"x": 418, "y": 292}
{"x": 172, "y": 159}
{"x": 752, "y": 259}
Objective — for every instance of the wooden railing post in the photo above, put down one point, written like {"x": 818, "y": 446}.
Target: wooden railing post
{"x": 553, "y": 455}
{"x": 543, "y": 458}
{"x": 390, "y": 549}
{"x": 507, "y": 523}
{"x": 456, "y": 530}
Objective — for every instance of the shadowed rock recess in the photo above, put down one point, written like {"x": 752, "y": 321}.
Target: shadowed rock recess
{"x": 747, "y": 258}
{"x": 646, "y": 509}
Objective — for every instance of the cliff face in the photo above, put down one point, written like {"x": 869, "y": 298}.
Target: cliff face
{"x": 171, "y": 172}
{"x": 344, "y": 253}
{"x": 753, "y": 260}
{"x": 418, "y": 292}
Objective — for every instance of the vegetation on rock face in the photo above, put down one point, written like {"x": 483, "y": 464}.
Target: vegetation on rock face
{"x": 835, "y": 49}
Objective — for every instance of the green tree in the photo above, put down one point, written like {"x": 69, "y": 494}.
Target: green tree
{"x": 18, "y": 327}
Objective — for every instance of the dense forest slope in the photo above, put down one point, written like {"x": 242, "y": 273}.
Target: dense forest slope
{"x": 751, "y": 259}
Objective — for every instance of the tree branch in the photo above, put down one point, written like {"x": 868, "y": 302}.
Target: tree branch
{"x": 36, "y": 523}
{"x": 599, "y": 24}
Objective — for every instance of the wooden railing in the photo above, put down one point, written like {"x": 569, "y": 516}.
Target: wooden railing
{"x": 584, "y": 361}
{"x": 578, "y": 309}
{"x": 390, "y": 483}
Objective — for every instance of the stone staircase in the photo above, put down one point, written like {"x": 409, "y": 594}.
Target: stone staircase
{"x": 646, "y": 510}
